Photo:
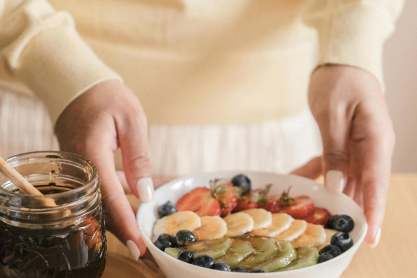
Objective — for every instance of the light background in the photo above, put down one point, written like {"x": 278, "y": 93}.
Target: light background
{"x": 400, "y": 69}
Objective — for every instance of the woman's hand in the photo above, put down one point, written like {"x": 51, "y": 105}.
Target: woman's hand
{"x": 358, "y": 138}
{"x": 96, "y": 124}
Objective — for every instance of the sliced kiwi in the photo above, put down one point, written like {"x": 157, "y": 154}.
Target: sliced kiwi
{"x": 282, "y": 258}
{"x": 173, "y": 252}
{"x": 214, "y": 248}
{"x": 307, "y": 256}
{"x": 263, "y": 247}
{"x": 239, "y": 250}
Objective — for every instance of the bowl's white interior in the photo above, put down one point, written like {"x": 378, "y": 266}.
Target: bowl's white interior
{"x": 335, "y": 203}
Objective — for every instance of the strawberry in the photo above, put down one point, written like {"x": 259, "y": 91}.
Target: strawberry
{"x": 299, "y": 207}
{"x": 272, "y": 204}
{"x": 255, "y": 199}
{"x": 200, "y": 201}
{"x": 245, "y": 203}
{"x": 227, "y": 198}
{"x": 320, "y": 216}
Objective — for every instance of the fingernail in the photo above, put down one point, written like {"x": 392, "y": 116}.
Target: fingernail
{"x": 377, "y": 238}
{"x": 151, "y": 265}
{"x": 334, "y": 181}
{"x": 145, "y": 189}
{"x": 133, "y": 249}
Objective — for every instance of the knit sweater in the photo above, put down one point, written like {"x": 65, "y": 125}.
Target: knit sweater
{"x": 190, "y": 62}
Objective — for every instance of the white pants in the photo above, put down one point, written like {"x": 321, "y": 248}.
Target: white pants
{"x": 277, "y": 146}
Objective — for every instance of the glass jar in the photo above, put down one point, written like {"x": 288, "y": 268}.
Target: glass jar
{"x": 67, "y": 240}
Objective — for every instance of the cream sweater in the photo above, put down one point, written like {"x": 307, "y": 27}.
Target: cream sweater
{"x": 189, "y": 61}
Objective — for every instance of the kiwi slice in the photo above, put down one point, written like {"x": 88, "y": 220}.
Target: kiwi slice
{"x": 282, "y": 258}
{"x": 307, "y": 256}
{"x": 263, "y": 247}
{"x": 173, "y": 252}
{"x": 214, "y": 248}
{"x": 239, "y": 250}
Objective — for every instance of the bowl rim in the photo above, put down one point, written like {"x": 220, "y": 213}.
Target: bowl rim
{"x": 351, "y": 250}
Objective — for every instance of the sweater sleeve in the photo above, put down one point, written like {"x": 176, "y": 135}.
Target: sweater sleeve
{"x": 41, "y": 47}
{"x": 352, "y": 32}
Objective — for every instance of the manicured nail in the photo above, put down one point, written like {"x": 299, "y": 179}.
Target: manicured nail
{"x": 377, "y": 238}
{"x": 133, "y": 249}
{"x": 145, "y": 189}
{"x": 335, "y": 181}
{"x": 151, "y": 265}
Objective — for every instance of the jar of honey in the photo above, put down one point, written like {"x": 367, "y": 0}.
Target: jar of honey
{"x": 67, "y": 239}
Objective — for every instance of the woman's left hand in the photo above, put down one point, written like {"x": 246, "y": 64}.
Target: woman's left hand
{"x": 358, "y": 139}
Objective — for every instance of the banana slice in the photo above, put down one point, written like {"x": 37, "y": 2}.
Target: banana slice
{"x": 238, "y": 224}
{"x": 182, "y": 220}
{"x": 212, "y": 227}
{"x": 280, "y": 223}
{"x": 329, "y": 234}
{"x": 297, "y": 229}
{"x": 313, "y": 236}
{"x": 261, "y": 218}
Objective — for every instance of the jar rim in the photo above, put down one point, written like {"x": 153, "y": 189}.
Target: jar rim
{"x": 72, "y": 206}
{"x": 57, "y": 153}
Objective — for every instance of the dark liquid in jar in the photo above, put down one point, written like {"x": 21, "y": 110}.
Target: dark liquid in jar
{"x": 71, "y": 252}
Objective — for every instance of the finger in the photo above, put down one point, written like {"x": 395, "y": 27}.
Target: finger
{"x": 375, "y": 155}
{"x": 334, "y": 128}
{"x": 350, "y": 188}
{"x": 133, "y": 141}
{"x": 122, "y": 178}
{"x": 121, "y": 219}
{"x": 159, "y": 182}
{"x": 310, "y": 170}
{"x": 373, "y": 141}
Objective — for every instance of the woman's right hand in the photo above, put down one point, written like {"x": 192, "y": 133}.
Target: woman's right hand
{"x": 95, "y": 125}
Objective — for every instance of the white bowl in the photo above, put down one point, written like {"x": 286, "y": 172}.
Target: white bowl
{"x": 335, "y": 203}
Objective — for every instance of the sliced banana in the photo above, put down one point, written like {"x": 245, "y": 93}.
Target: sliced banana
{"x": 261, "y": 218}
{"x": 280, "y": 223}
{"x": 297, "y": 229}
{"x": 329, "y": 234}
{"x": 313, "y": 236}
{"x": 238, "y": 224}
{"x": 182, "y": 220}
{"x": 212, "y": 227}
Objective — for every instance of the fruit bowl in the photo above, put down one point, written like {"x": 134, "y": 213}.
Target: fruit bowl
{"x": 336, "y": 203}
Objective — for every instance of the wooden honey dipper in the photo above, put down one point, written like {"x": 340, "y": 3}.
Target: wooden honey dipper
{"x": 23, "y": 184}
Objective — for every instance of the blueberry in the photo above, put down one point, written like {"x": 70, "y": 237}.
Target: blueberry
{"x": 164, "y": 241}
{"x": 257, "y": 271}
{"x": 342, "y": 240}
{"x": 186, "y": 256}
{"x": 167, "y": 209}
{"x": 331, "y": 249}
{"x": 221, "y": 266}
{"x": 183, "y": 237}
{"x": 204, "y": 261}
{"x": 243, "y": 182}
{"x": 331, "y": 221}
{"x": 325, "y": 257}
{"x": 343, "y": 223}
{"x": 239, "y": 269}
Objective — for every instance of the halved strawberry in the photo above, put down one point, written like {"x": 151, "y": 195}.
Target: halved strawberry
{"x": 227, "y": 198}
{"x": 320, "y": 216}
{"x": 200, "y": 201}
{"x": 301, "y": 207}
{"x": 272, "y": 204}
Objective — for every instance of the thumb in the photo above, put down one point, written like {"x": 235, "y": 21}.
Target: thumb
{"x": 334, "y": 131}
{"x": 133, "y": 141}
